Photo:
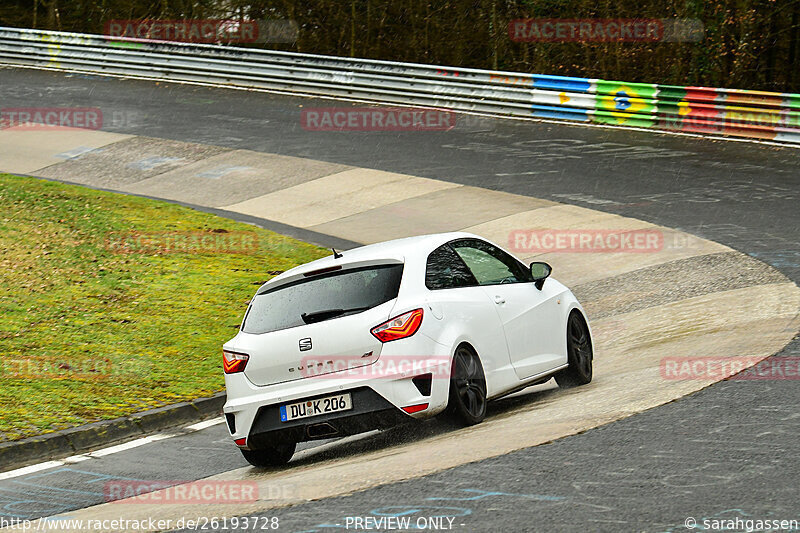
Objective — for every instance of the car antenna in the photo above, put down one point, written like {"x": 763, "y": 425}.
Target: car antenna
{"x": 336, "y": 255}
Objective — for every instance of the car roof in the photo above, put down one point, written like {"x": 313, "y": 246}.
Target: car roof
{"x": 398, "y": 250}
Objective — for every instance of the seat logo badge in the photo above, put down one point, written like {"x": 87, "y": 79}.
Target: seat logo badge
{"x": 305, "y": 344}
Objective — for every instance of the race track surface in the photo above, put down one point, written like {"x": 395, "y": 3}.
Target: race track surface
{"x": 725, "y": 451}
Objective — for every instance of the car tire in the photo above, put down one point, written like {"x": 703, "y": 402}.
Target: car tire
{"x": 579, "y": 353}
{"x": 276, "y": 455}
{"x": 467, "y": 400}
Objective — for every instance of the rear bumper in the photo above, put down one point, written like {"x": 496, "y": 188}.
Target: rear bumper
{"x": 252, "y": 411}
{"x": 370, "y": 411}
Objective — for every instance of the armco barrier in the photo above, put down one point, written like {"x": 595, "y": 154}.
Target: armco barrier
{"x": 741, "y": 113}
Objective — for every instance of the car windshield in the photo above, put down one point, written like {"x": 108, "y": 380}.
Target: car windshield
{"x": 323, "y": 297}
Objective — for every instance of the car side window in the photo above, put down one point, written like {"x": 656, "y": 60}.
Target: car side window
{"x": 489, "y": 264}
{"x": 445, "y": 270}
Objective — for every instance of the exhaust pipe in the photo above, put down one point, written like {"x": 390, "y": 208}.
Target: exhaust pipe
{"x": 323, "y": 429}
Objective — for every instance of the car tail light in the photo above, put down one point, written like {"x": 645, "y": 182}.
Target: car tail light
{"x": 399, "y": 327}
{"x": 241, "y": 442}
{"x": 233, "y": 362}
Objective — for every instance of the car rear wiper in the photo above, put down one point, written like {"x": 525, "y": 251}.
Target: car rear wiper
{"x": 326, "y": 314}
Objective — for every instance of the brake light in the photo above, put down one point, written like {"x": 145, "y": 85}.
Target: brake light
{"x": 241, "y": 442}
{"x": 233, "y": 362}
{"x": 399, "y": 327}
{"x": 322, "y": 271}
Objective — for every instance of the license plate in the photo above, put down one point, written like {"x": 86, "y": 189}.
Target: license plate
{"x": 320, "y": 406}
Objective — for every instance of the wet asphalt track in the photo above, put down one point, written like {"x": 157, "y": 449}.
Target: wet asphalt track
{"x": 730, "y": 450}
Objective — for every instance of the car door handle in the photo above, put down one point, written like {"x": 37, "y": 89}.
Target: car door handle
{"x": 499, "y": 300}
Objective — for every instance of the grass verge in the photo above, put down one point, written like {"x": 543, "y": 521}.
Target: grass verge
{"x": 111, "y": 304}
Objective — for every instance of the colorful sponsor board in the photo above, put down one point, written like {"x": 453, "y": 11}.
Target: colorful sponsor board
{"x": 625, "y": 103}
{"x": 726, "y": 111}
{"x": 705, "y": 110}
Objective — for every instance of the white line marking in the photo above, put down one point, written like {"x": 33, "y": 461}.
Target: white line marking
{"x": 108, "y": 451}
{"x": 205, "y": 424}
{"x": 76, "y": 459}
{"x": 530, "y": 173}
{"x": 30, "y": 469}
{"x": 132, "y": 444}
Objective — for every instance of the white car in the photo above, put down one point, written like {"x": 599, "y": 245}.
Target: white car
{"x": 390, "y": 332}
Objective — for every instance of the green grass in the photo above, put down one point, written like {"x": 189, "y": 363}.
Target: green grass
{"x": 88, "y": 332}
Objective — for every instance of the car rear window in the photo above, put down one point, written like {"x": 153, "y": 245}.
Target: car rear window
{"x": 323, "y": 297}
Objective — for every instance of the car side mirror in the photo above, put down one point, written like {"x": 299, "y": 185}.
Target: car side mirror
{"x": 540, "y": 271}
